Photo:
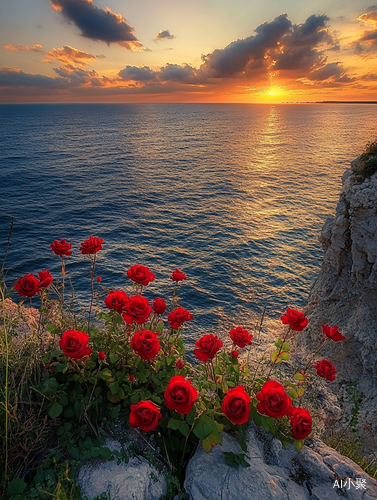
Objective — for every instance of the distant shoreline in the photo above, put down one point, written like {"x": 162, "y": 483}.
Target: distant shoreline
{"x": 345, "y": 102}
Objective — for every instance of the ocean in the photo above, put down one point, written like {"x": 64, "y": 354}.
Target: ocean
{"x": 234, "y": 195}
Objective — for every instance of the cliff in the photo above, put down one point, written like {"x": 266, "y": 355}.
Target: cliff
{"x": 345, "y": 294}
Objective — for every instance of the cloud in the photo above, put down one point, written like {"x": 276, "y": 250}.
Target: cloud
{"x": 12, "y": 77}
{"x": 37, "y": 47}
{"x": 98, "y": 24}
{"x": 68, "y": 55}
{"x": 164, "y": 35}
{"x": 367, "y": 42}
{"x": 143, "y": 74}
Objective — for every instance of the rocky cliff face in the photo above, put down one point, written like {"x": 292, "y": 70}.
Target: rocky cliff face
{"x": 345, "y": 294}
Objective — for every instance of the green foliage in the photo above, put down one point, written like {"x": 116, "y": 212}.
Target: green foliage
{"x": 235, "y": 459}
{"x": 368, "y": 165}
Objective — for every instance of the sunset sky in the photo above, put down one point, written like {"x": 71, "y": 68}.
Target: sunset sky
{"x": 180, "y": 51}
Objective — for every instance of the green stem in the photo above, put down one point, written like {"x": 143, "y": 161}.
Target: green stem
{"x": 92, "y": 295}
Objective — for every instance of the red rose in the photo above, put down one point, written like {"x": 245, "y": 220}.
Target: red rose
{"x": 145, "y": 344}
{"x": 131, "y": 378}
{"x": 159, "y": 305}
{"x": 325, "y": 369}
{"x": 61, "y": 247}
{"x": 333, "y": 333}
{"x": 101, "y": 356}
{"x": 301, "y": 422}
{"x": 75, "y": 344}
{"x": 234, "y": 354}
{"x": 236, "y": 406}
{"x": 136, "y": 310}
{"x": 208, "y": 346}
{"x": 180, "y": 395}
{"x": 240, "y": 337}
{"x": 140, "y": 274}
{"x": 144, "y": 415}
{"x": 178, "y": 275}
{"x": 296, "y": 320}
{"x": 91, "y": 246}
{"x": 273, "y": 400}
{"x": 179, "y": 364}
{"x": 99, "y": 279}
{"x": 117, "y": 300}
{"x": 27, "y": 286}
{"x": 45, "y": 279}
{"x": 178, "y": 317}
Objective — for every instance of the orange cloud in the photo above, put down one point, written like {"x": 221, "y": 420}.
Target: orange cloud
{"x": 68, "y": 55}
{"x": 37, "y": 47}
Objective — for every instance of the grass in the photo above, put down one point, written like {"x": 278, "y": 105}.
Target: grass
{"x": 368, "y": 165}
{"x": 349, "y": 446}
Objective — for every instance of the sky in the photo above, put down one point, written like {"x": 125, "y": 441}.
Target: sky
{"x": 178, "y": 51}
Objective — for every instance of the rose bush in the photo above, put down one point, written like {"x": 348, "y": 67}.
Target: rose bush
{"x": 126, "y": 358}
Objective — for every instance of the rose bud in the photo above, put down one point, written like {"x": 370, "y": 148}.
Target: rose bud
{"x": 333, "y": 333}
{"x": 99, "y": 279}
{"x": 273, "y": 400}
{"x": 159, "y": 305}
{"x": 74, "y": 344}
{"x": 296, "y": 320}
{"x": 178, "y": 275}
{"x": 45, "y": 279}
{"x": 234, "y": 354}
{"x": 177, "y": 317}
{"x": 101, "y": 356}
{"x": 27, "y": 286}
{"x": 208, "y": 346}
{"x": 140, "y": 274}
{"x": 240, "y": 337}
{"x": 145, "y": 344}
{"x": 180, "y": 395}
{"x": 144, "y": 415}
{"x": 301, "y": 422}
{"x": 179, "y": 364}
{"x": 91, "y": 246}
{"x": 325, "y": 369}
{"x": 61, "y": 247}
{"x": 131, "y": 378}
{"x": 236, "y": 405}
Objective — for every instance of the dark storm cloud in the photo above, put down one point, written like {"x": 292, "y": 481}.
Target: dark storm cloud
{"x": 143, "y": 74}
{"x": 237, "y": 56}
{"x": 98, "y": 24}
{"x": 10, "y": 77}
{"x": 302, "y": 47}
{"x": 164, "y": 35}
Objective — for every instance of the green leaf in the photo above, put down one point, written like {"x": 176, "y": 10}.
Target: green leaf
{"x": 50, "y": 386}
{"x": 114, "y": 412}
{"x": 114, "y": 387}
{"x": 55, "y": 410}
{"x": 174, "y": 424}
{"x": 105, "y": 374}
{"x": 50, "y": 327}
{"x": 113, "y": 358}
{"x": 285, "y": 356}
{"x": 191, "y": 416}
{"x": 204, "y": 427}
{"x": 106, "y": 453}
{"x": 135, "y": 399}
{"x": 278, "y": 343}
{"x": 17, "y": 486}
{"x": 299, "y": 443}
{"x": 170, "y": 360}
{"x": 298, "y": 376}
{"x": 184, "y": 429}
{"x": 57, "y": 353}
{"x": 119, "y": 319}
{"x": 140, "y": 376}
{"x": 74, "y": 452}
{"x": 300, "y": 391}
{"x": 274, "y": 355}
{"x": 285, "y": 346}
{"x": 292, "y": 394}
{"x": 63, "y": 400}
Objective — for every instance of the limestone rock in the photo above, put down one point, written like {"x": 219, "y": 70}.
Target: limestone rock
{"x": 136, "y": 480}
{"x": 275, "y": 472}
{"x": 345, "y": 294}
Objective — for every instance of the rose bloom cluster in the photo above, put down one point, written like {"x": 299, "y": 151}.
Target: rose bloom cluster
{"x": 180, "y": 395}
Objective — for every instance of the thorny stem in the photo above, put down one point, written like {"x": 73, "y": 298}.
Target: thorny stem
{"x": 259, "y": 332}
{"x": 63, "y": 274}
{"x": 92, "y": 294}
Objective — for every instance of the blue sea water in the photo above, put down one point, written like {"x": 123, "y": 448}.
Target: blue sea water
{"x": 233, "y": 195}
